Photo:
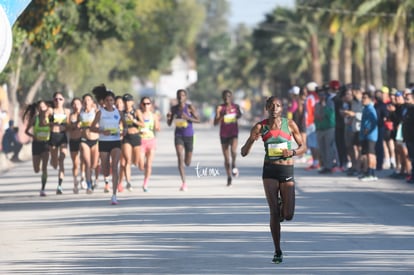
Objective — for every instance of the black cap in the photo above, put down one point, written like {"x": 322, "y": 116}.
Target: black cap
{"x": 127, "y": 97}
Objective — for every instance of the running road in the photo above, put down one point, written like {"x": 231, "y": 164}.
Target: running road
{"x": 341, "y": 225}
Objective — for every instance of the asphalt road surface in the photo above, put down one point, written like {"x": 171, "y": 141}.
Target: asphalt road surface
{"x": 341, "y": 225}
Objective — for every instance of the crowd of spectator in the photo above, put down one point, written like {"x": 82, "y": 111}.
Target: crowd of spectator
{"x": 355, "y": 130}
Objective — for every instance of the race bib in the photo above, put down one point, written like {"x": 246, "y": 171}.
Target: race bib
{"x": 85, "y": 124}
{"x": 229, "y": 118}
{"x": 181, "y": 123}
{"x": 129, "y": 121}
{"x": 42, "y": 136}
{"x": 113, "y": 131}
{"x": 276, "y": 150}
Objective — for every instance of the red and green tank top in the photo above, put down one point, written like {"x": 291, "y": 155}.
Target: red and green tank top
{"x": 275, "y": 140}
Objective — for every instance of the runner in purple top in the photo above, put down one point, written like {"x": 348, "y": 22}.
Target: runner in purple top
{"x": 227, "y": 115}
{"x": 184, "y": 115}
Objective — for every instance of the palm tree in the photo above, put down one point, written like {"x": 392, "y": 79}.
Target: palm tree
{"x": 292, "y": 42}
{"x": 393, "y": 23}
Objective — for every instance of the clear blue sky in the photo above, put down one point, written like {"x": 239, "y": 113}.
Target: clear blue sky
{"x": 251, "y": 12}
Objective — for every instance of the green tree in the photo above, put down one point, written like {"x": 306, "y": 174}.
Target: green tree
{"x": 211, "y": 49}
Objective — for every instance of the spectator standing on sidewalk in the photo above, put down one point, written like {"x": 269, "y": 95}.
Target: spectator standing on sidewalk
{"x": 407, "y": 131}
{"x": 352, "y": 141}
{"x": 346, "y": 113}
{"x": 368, "y": 137}
{"x": 382, "y": 114}
{"x": 337, "y": 95}
{"x": 325, "y": 130}
{"x": 311, "y": 100}
{"x": 403, "y": 164}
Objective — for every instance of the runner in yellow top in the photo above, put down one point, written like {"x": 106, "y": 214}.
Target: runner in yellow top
{"x": 131, "y": 143}
{"x": 89, "y": 141}
{"x": 58, "y": 139}
{"x": 38, "y": 128}
{"x": 148, "y": 142}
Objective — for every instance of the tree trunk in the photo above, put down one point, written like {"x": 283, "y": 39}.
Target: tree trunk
{"x": 401, "y": 60}
{"x": 367, "y": 63}
{"x": 334, "y": 62}
{"x": 316, "y": 62}
{"x": 411, "y": 63}
{"x": 358, "y": 56}
{"x": 35, "y": 87}
{"x": 389, "y": 78}
{"x": 12, "y": 91}
{"x": 334, "y": 68}
{"x": 376, "y": 64}
{"x": 347, "y": 60}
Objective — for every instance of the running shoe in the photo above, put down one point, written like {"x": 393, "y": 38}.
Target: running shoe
{"x": 368, "y": 178}
{"x": 183, "y": 187}
{"x": 83, "y": 184}
{"x": 42, "y": 193}
{"x": 106, "y": 188}
{"x": 235, "y": 172}
{"x": 89, "y": 191}
{"x": 114, "y": 200}
{"x": 144, "y": 188}
{"x": 75, "y": 190}
{"x": 129, "y": 186}
{"x": 59, "y": 190}
{"x": 277, "y": 258}
{"x": 229, "y": 181}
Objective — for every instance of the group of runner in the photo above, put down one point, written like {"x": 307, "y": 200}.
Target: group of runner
{"x": 103, "y": 137}
{"x": 103, "y": 129}
{"x": 106, "y": 134}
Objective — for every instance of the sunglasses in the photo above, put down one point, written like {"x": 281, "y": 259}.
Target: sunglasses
{"x": 58, "y": 99}
{"x": 146, "y": 103}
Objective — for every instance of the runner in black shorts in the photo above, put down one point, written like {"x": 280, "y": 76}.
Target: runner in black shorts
{"x": 277, "y": 133}
{"x": 184, "y": 115}
{"x": 58, "y": 140}
{"x": 74, "y": 141}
